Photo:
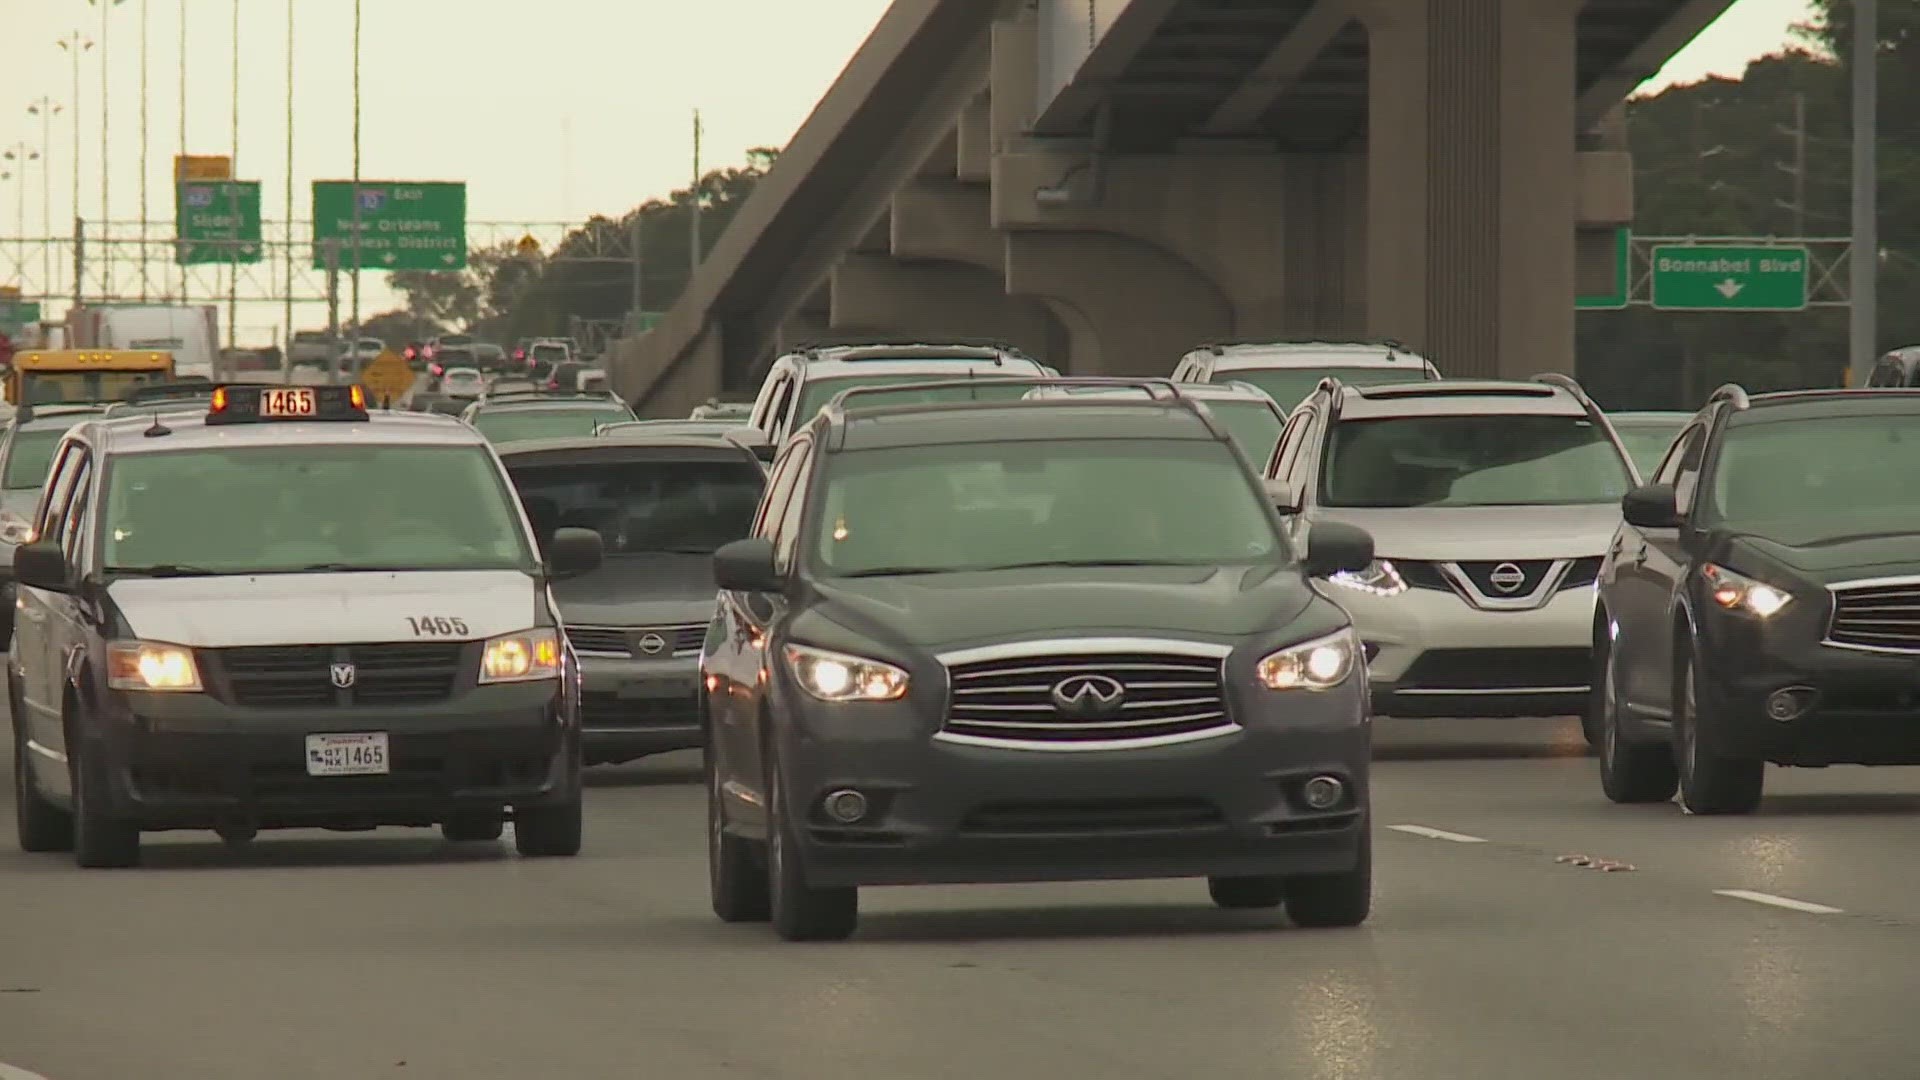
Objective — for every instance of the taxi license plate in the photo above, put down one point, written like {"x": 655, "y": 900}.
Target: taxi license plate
{"x": 285, "y": 402}
{"x": 360, "y": 754}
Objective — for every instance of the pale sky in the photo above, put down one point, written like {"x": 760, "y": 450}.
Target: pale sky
{"x": 551, "y": 111}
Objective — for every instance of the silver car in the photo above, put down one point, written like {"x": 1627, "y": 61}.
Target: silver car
{"x": 1491, "y": 505}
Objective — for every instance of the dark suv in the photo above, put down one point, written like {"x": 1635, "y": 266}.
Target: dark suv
{"x": 1030, "y": 640}
{"x": 662, "y": 504}
{"x": 1761, "y": 603}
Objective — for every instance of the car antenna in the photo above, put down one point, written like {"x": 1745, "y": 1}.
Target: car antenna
{"x": 158, "y": 429}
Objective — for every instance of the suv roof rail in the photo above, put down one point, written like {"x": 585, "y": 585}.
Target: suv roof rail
{"x": 1332, "y": 387}
{"x": 1572, "y": 386}
{"x": 548, "y": 392}
{"x": 1734, "y": 394}
{"x": 1392, "y": 345}
{"x": 1160, "y": 390}
{"x": 822, "y": 344}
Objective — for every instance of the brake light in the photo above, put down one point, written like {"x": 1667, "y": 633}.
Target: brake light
{"x": 436, "y": 369}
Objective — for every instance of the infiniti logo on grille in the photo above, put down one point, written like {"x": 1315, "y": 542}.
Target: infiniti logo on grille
{"x": 1507, "y": 577}
{"x": 1089, "y": 696}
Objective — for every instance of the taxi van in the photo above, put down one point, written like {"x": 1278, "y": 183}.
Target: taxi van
{"x": 285, "y": 611}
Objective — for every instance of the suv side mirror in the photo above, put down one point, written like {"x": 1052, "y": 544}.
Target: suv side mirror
{"x": 574, "y": 551}
{"x": 1333, "y": 547}
{"x": 747, "y": 566}
{"x": 1282, "y": 496}
{"x": 42, "y": 565}
{"x": 1651, "y": 506}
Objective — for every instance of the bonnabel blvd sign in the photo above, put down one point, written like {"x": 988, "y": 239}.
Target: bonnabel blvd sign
{"x": 1704, "y": 277}
{"x": 403, "y": 225}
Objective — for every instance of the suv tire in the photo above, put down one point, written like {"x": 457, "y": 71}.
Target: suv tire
{"x": 1318, "y": 901}
{"x": 736, "y": 867}
{"x": 39, "y": 825}
{"x": 1629, "y": 773}
{"x": 801, "y": 912}
{"x": 1709, "y": 783}
{"x": 1247, "y": 893}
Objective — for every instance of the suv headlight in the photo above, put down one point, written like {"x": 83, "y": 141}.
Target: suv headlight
{"x": 1738, "y": 592}
{"x": 527, "y": 656}
{"x": 832, "y": 676}
{"x": 1320, "y": 664}
{"x": 1378, "y": 579}
{"x": 151, "y": 665}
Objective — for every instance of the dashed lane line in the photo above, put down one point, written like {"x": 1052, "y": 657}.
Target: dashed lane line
{"x": 1437, "y": 834}
{"x": 1779, "y": 901}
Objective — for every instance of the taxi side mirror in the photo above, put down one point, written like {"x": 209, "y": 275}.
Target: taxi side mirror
{"x": 41, "y": 566}
{"x": 574, "y": 551}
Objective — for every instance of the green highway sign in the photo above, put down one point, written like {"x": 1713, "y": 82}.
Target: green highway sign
{"x": 1720, "y": 277}
{"x": 18, "y": 313}
{"x": 216, "y": 221}
{"x": 403, "y": 226}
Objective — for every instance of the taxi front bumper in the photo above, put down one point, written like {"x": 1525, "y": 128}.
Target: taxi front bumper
{"x": 184, "y": 761}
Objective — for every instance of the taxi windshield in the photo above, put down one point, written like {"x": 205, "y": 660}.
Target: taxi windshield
{"x": 820, "y": 391}
{"x": 285, "y": 509}
{"x": 516, "y": 424}
{"x": 29, "y": 457}
{"x": 1082, "y": 502}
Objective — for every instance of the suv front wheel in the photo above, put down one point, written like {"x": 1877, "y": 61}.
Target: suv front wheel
{"x": 1709, "y": 783}
{"x": 801, "y": 912}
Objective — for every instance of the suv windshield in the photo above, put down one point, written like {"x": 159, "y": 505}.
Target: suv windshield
{"x": 283, "y": 509}
{"x": 1253, "y": 424}
{"x": 1647, "y": 441}
{"x": 1290, "y": 386}
{"x": 639, "y": 507}
{"x": 1809, "y": 480}
{"x": 1516, "y": 460}
{"x": 29, "y": 458}
{"x": 549, "y": 352}
{"x": 820, "y": 391}
{"x": 980, "y": 506}
{"x": 509, "y": 425}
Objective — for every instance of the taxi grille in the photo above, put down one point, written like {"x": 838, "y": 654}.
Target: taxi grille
{"x": 1012, "y": 699}
{"x": 1877, "y": 616}
{"x": 684, "y": 639}
{"x": 301, "y": 676}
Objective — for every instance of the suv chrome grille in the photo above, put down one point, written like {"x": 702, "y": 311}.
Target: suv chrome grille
{"x": 1879, "y": 617}
{"x": 683, "y": 639}
{"x": 1164, "y": 696}
{"x": 301, "y": 676}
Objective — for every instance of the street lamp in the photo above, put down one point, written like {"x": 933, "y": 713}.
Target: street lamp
{"x": 20, "y": 155}
{"x": 45, "y": 108}
{"x": 74, "y": 44}
{"x": 106, "y": 262}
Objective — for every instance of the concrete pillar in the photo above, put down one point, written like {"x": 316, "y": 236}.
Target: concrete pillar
{"x": 1146, "y": 307}
{"x": 973, "y": 140}
{"x": 1472, "y": 186}
{"x": 945, "y": 221}
{"x": 946, "y": 300}
{"x": 1014, "y": 82}
{"x": 668, "y": 386}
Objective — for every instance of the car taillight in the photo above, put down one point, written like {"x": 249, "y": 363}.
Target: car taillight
{"x": 436, "y": 369}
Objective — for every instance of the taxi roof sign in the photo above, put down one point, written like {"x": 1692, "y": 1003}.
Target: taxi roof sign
{"x": 257, "y": 404}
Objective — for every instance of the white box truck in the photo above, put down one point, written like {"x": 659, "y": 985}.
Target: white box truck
{"x": 190, "y": 332}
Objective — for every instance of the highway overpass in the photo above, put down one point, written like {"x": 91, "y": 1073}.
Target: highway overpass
{"x": 1108, "y": 183}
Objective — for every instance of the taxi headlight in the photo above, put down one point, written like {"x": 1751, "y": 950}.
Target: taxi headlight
{"x": 523, "y": 657}
{"x": 1378, "y": 579}
{"x": 832, "y": 676}
{"x": 151, "y": 665}
{"x": 1320, "y": 664}
{"x": 1738, "y": 592}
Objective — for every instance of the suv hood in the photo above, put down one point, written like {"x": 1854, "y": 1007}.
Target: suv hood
{"x": 321, "y": 609}
{"x": 1469, "y": 533}
{"x": 1879, "y": 555}
{"x": 640, "y": 590}
{"x": 1005, "y": 605}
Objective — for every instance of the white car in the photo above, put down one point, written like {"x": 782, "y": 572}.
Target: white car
{"x": 1491, "y": 505}
{"x": 462, "y": 382}
{"x": 1289, "y": 370}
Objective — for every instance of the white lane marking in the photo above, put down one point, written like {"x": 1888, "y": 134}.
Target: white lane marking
{"x": 1437, "y": 834}
{"x": 1779, "y": 901}
{"x": 10, "y": 1072}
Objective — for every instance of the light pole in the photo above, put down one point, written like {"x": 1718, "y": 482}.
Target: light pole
{"x": 106, "y": 98}
{"x": 233, "y": 207}
{"x": 182, "y": 152}
{"x": 286, "y": 343}
{"x": 19, "y": 156}
{"x": 44, "y": 108}
{"x": 146, "y": 165}
{"x": 1863, "y": 311}
{"x": 353, "y": 334}
{"x": 74, "y": 44}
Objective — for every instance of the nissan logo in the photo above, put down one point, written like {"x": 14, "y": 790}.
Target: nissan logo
{"x": 1508, "y": 577}
{"x": 1089, "y": 696}
{"x": 651, "y": 643}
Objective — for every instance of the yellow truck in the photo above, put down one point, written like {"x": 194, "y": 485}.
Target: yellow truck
{"x": 43, "y": 376}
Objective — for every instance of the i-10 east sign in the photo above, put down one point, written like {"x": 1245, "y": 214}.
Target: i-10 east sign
{"x": 1702, "y": 277}
{"x": 403, "y": 225}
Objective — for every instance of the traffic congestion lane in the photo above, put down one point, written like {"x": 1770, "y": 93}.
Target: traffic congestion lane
{"x": 322, "y": 955}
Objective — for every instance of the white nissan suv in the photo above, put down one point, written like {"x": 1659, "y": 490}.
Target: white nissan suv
{"x": 1491, "y": 504}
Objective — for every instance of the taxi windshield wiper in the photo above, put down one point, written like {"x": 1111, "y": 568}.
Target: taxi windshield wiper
{"x": 167, "y": 570}
{"x": 1087, "y": 562}
{"x": 897, "y": 571}
{"x": 341, "y": 568}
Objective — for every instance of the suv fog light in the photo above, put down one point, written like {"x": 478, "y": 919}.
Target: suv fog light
{"x": 1790, "y": 704}
{"x": 846, "y": 807}
{"x": 1323, "y": 792}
